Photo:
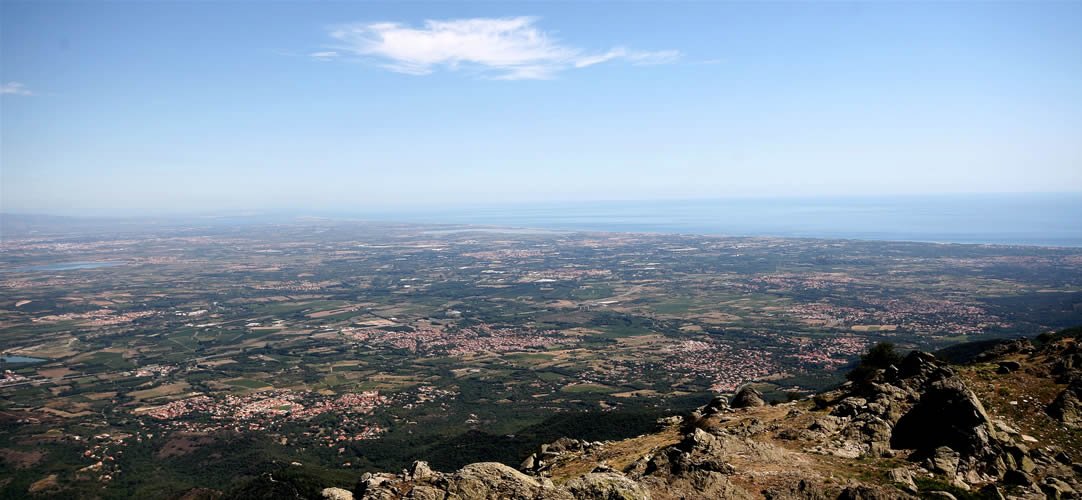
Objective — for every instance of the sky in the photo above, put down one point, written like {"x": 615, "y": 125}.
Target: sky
{"x": 145, "y": 107}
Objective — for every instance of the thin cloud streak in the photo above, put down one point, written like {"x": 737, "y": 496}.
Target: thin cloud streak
{"x": 15, "y": 88}
{"x": 497, "y": 48}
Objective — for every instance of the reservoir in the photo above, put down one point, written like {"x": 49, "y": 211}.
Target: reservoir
{"x": 20, "y": 359}
{"x": 64, "y": 266}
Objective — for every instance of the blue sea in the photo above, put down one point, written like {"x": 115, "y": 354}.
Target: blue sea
{"x": 1030, "y": 219}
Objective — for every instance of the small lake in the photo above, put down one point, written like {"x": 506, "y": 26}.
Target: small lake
{"x": 20, "y": 359}
{"x": 65, "y": 266}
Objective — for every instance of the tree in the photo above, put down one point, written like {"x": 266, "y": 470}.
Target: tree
{"x": 879, "y": 357}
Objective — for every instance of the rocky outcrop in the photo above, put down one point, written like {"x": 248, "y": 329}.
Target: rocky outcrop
{"x": 747, "y": 397}
{"x": 1067, "y": 407}
{"x": 1004, "y": 348}
{"x": 606, "y": 485}
{"x": 495, "y": 481}
{"x": 1068, "y": 364}
{"x": 915, "y": 420}
{"x": 947, "y": 414}
{"x": 491, "y": 481}
{"x": 484, "y": 480}
{"x": 336, "y": 494}
{"x": 544, "y": 458}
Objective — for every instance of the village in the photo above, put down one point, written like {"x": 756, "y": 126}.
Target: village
{"x": 348, "y": 353}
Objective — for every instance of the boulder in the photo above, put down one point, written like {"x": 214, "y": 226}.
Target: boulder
{"x": 1017, "y": 478}
{"x": 669, "y": 421}
{"x": 564, "y": 444}
{"x": 491, "y": 481}
{"x": 375, "y": 486}
{"x": 918, "y": 364}
{"x": 1067, "y": 367}
{"x": 849, "y": 407}
{"x": 426, "y": 492}
{"x": 947, "y": 414}
{"x": 1056, "y": 489}
{"x": 804, "y": 490}
{"x": 46, "y": 483}
{"x": 606, "y": 486}
{"x": 716, "y": 405}
{"x": 336, "y": 494}
{"x": 420, "y": 471}
{"x": 1067, "y": 407}
{"x": 943, "y": 495}
{"x": 944, "y": 461}
{"x": 825, "y": 425}
{"x": 903, "y": 477}
{"x": 748, "y": 397}
{"x": 991, "y": 492}
{"x": 1008, "y": 367}
{"x": 865, "y": 492}
{"x": 699, "y": 441}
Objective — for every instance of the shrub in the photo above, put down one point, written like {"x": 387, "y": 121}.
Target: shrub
{"x": 879, "y": 357}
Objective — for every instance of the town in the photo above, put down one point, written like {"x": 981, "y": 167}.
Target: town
{"x": 366, "y": 349}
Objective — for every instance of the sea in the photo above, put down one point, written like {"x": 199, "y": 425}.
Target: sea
{"x": 1009, "y": 219}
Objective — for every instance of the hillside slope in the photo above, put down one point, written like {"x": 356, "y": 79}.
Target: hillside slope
{"x": 1004, "y": 425}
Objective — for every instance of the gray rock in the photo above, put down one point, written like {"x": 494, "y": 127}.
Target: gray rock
{"x": 865, "y": 492}
{"x": 491, "y": 481}
{"x": 748, "y": 397}
{"x": 425, "y": 492}
{"x": 336, "y": 494}
{"x": 1008, "y": 367}
{"x": 947, "y": 414}
{"x": 849, "y": 407}
{"x": 804, "y": 490}
{"x": 918, "y": 364}
{"x": 944, "y": 461}
{"x": 718, "y": 402}
{"x": 940, "y": 494}
{"x": 1015, "y": 346}
{"x": 903, "y": 477}
{"x": 1017, "y": 478}
{"x": 1067, "y": 407}
{"x": 992, "y": 492}
{"x": 825, "y": 425}
{"x": 1056, "y": 488}
{"x": 606, "y": 486}
{"x": 670, "y": 421}
{"x": 565, "y": 444}
{"x": 420, "y": 471}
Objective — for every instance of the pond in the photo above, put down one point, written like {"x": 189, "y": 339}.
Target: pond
{"x": 65, "y": 266}
{"x": 20, "y": 359}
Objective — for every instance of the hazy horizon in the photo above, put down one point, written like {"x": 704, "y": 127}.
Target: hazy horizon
{"x": 1012, "y": 219}
{"x": 392, "y": 207}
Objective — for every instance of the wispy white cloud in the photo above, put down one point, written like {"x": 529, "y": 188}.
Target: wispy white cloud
{"x": 502, "y": 48}
{"x": 14, "y": 88}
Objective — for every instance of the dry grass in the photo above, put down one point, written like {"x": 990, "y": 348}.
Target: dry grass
{"x": 1020, "y": 398}
{"x": 617, "y": 455}
{"x": 160, "y": 391}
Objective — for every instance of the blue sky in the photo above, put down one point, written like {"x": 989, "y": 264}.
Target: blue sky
{"x": 151, "y": 106}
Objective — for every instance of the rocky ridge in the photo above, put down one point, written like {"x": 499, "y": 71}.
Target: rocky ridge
{"x": 911, "y": 430}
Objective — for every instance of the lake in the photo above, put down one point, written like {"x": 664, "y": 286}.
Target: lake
{"x": 64, "y": 266}
{"x": 20, "y": 359}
